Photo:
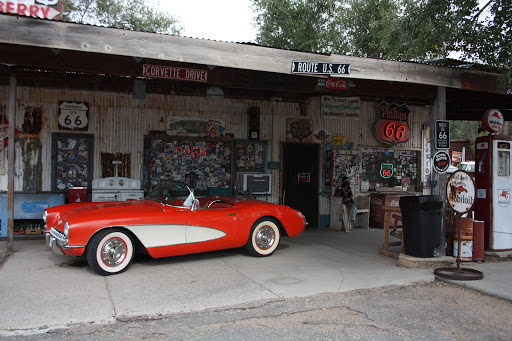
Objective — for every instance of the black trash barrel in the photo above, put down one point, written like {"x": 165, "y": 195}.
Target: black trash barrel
{"x": 422, "y": 223}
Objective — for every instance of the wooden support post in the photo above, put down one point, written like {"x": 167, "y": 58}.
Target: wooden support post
{"x": 438, "y": 112}
{"x": 10, "y": 164}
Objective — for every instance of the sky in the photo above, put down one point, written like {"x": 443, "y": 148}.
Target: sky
{"x": 225, "y": 20}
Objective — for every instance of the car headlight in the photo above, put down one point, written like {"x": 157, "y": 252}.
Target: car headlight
{"x": 66, "y": 229}
{"x": 45, "y": 214}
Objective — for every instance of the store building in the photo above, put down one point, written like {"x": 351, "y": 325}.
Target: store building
{"x": 93, "y": 102}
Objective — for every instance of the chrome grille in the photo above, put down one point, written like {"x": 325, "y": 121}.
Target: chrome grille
{"x": 59, "y": 236}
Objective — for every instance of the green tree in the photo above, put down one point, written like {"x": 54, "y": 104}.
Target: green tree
{"x": 298, "y": 24}
{"x": 133, "y": 15}
{"x": 390, "y": 29}
{"x": 369, "y": 27}
{"x": 470, "y": 130}
{"x": 466, "y": 130}
{"x": 487, "y": 37}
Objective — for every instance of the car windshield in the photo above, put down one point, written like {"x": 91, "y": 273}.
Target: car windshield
{"x": 467, "y": 166}
{"x": 169, "y": 192}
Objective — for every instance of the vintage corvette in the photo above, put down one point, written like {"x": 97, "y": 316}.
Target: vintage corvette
{"x": 164, "y": 225}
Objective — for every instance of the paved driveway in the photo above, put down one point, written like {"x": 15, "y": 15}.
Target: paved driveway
{"x": 41, "y": 290}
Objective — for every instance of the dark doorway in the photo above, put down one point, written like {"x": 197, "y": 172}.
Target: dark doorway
{"x": 300, "y": 179}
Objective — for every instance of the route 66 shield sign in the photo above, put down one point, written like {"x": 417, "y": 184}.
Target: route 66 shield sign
{"x": 386, "y": 170}
{"x": 73, "y": 116}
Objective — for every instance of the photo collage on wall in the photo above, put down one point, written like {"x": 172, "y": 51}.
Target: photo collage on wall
{"x": 199, "y": 164}
{"x": 345, "y": 163}
{"x": 250, "y": 157}
{"x": 72, "y": 164}
{"x": 402, "y": 167}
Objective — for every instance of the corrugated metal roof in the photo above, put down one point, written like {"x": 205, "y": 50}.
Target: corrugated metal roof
{"x": 445, "y": 62}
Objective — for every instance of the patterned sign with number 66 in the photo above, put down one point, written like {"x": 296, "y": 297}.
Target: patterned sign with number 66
{"x": 73, "y": 116}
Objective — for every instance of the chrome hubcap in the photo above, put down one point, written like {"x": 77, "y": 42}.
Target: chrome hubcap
{"x": 265, "y": 237}
{"x": 113, "y": 252}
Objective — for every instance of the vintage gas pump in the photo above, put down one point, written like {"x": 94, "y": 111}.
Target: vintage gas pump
{"x": 493, "y": 183}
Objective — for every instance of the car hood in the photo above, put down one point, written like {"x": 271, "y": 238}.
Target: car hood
{"x": 118, "y": 208}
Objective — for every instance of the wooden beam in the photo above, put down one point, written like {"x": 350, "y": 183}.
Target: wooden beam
{"x": 86, "y": 39}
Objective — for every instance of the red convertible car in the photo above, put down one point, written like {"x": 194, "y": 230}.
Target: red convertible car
{"x": 164, "y": 225}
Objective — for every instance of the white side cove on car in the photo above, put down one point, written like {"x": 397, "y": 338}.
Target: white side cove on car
{"x": 165, "y": 235}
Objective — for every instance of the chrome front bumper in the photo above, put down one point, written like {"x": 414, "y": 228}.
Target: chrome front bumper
{"x": 58, "y": 242}
{"x": 52, "y": 243}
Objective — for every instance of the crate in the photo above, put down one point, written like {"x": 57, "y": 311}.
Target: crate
{"x": 33, "y": 231}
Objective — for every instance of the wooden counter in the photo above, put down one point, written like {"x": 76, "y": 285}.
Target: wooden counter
{"x": 380, "y": 199}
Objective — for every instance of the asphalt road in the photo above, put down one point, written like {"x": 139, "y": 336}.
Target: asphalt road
{"x": 433, "y": 311}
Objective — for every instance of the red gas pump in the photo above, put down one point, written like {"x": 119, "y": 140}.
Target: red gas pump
{"x": 493, "y": 183}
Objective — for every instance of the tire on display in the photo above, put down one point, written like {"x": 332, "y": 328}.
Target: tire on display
{"x": 264, "y": 237}
{"x": 110, "y": 252}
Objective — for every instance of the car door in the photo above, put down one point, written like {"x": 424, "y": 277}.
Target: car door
{"x": 161, "y": 230}
{"x": 212, "y": 228}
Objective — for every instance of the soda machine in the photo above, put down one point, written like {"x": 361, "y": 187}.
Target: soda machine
{"x": 493, "y": 183}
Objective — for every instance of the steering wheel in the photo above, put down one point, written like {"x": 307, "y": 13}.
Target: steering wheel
{"x": 220, "y": 200}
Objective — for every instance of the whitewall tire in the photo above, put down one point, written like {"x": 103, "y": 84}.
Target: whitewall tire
{"x": 110, "y": 252}
{"x": 264, "y": 237}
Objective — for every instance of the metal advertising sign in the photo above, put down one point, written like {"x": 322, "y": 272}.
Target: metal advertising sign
{"x": 73, "y": 116}
{"x": 274, "y": 165}
{"x": 504, "y": 197}
{"x": 460, "y": 192}
{"x": 338, "y": 84}
{"x": 441, "y": 161}
{"x": 4, "y": 128}
{"x": 393, "y": 123}
{"x": 442, "y": 134}
{"x": 493, "y": 120}
{"x": 320, "y": 68}
{"x": 304, "y": 177}
{"x": 338, "y": 140}
{"x": 456, "y": 156}
{"x": 44, "y": 9}
{"x": 386, "y": 170}
{"x": 334, "y": 83}
{"x": 332, "y": 107}
{"x": 195, "y": 126}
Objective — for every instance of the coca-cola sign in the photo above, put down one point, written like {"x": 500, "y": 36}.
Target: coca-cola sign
{"x": 334, "y": 84}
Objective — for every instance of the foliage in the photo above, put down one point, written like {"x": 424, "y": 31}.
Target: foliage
{"x": 124, "y": 14}
{"x": 299, "y": 25}
{"x": 470, "y": 130}
{"x": 466, "y": 130}
{"x": 390, "y": 29}
{"x": 488, "y": 37}
{"x": 369, "y": 25}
